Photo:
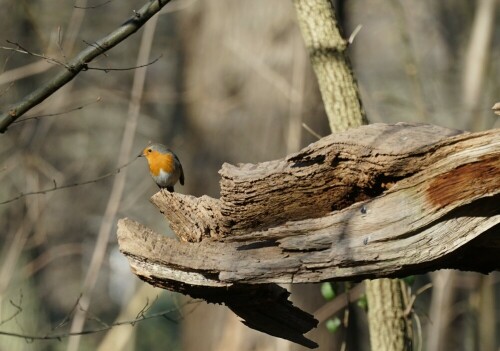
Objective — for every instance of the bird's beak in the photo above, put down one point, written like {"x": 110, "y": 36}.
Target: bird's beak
{"x": 140, "y": 154}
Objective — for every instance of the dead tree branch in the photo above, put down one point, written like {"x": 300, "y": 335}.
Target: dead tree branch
{"x": 377, "y": 201}
{"x": 80, "y": 62}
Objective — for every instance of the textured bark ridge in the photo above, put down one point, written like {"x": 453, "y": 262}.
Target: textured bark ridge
{"x": 329, "y": 175}
{"x": 327, "y": 52}
{"x": 377, "y": 201}
{"x": 390, "y": 325}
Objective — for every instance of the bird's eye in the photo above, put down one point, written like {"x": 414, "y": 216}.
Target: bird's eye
{"x": 149, "y": 150}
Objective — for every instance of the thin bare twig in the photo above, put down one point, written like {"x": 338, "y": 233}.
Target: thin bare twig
{"x": 475, "y": 69}
{"x": 4, "y": 91}
{"x": 105, "y": 327}
{"x": 22, "y": 50}
{"x": 67, "y": 318}
{"x": 92, "y": 7}
{"x": 118, "y": 186}
{"x": 95, "y": 45}
{"x": 60, "y": 44}
{"x": 7, "y": 266}
{"x": 419, "y": 332}
{"x": 296, "y": 105}
{"x": 341, "y": 301}
{"x": 354, "y": 34}
{"x": 409, "y": 307}
{"x": 18, "y": 310}
{"x": 124, "y": 69}
{"x": 310, "y": 130}
{"x": 56, "y": 187}
{"x": 80, "y": 62}
{"x": 57, "y": 113}
{"x": 118, "y": 339}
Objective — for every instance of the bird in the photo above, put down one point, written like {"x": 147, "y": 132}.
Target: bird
{"x": 164, "y": 166}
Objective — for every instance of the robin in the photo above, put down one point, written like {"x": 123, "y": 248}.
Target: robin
{"x": 164, "y": 166}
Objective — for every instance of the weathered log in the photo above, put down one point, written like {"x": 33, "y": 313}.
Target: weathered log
{"x": 380, "y": 200}
{"x": 263, "y": 307}
{"x": 329, "y": 175}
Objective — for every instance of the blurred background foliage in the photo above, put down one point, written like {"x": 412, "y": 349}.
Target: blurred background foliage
{"x": 232, "y": 84}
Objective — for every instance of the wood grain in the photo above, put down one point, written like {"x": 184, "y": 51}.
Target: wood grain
{"x": 377, "y": 201}
{"x": 422, "y": 201}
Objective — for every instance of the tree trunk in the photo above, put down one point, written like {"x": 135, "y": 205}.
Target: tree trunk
{"x": 327, "y": 47}
{"x": 389, "y": 328}
{"x": 342, "y": 102}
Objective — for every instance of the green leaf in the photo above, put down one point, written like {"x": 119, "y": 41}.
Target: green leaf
{"x": 409, "y": 280}
{"x": 333, "y": 324}
{"x": 363, "y": 302}
{"x": 327, "y": 291}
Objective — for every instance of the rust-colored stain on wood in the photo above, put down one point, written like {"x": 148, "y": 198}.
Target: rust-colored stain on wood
{"x": 465, "y": 182}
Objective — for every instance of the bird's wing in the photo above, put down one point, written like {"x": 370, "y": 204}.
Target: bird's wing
{"x": 181, "y": 178}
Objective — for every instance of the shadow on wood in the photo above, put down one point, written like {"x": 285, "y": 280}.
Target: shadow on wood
{"x": 377, "y": 201}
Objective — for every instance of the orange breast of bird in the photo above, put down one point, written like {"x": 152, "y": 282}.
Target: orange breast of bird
{"x": 158, "y": 161}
